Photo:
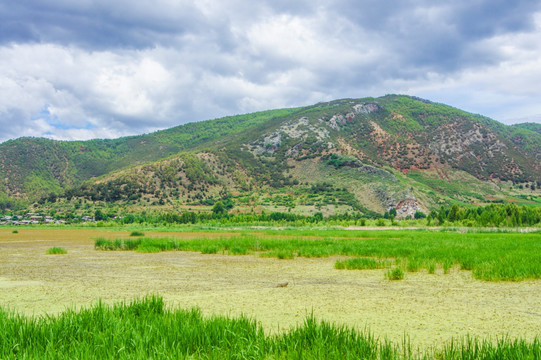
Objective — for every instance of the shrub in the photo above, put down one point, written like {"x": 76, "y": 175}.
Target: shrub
{"x": 56, "y": 250}
{"x": 15, "y": 232}
{"x": 137, "y": 233}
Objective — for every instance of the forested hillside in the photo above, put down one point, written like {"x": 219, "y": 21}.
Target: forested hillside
{"x": 365, "y": 155}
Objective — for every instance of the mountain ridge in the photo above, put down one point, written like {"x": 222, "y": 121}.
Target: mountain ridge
{"x": 375, "y": 151}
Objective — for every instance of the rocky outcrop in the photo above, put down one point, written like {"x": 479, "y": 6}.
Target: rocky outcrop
{"x": 366, "y": 108}
{"x": 407, "y": 207}
{"x": 300, "y": 129}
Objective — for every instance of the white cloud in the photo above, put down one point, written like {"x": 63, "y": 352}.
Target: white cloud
{"x": 102, "y": 69}
{"x": 132, "y": 89}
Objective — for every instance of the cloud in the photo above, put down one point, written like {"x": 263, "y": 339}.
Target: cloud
{"x": 100, "y": 24}
{"x": 105, "y": 69}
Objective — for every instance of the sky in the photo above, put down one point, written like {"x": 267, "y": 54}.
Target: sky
{"x": 104, "y": 69}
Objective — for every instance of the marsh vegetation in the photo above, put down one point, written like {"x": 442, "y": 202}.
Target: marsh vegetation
{"x": 221, "y": 298}
{"x": 145, "y": 328}
{"x": 490, "y": 256}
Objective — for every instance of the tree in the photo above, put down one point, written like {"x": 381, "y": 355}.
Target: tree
{"x": 218, "y": 208}
{"x": 99, "y": 215}
{"x": 454, "y": 213}
{"x": 318, "y": 217}
{"x": 442, "y": 215}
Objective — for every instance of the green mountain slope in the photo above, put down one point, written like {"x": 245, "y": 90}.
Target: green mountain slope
{"x": 529, "y": 126}
{"x": 365, "y": 155}
{"x": 32, "y": 167}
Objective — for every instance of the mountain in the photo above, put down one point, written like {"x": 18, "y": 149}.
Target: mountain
{"x": 32, "y": 167}
{"x": 364, "y": 155}
{"x": 530, "y": 126}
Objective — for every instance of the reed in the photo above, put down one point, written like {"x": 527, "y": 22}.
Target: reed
{"x": 146, "y": 329}
{"x": 490, "y": 256}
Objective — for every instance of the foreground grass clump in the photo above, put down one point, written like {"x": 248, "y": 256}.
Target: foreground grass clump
{"x": 504, "y": 348}
{"x": 15, "y": 232}
{"x": 490, "y": 256}
{"x": 145, "y": 329}
{"x": 137, "y": 233}
{"x": 56, "y": 251}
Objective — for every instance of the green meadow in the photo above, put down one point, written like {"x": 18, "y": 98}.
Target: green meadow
{"x": 491, "y": 256}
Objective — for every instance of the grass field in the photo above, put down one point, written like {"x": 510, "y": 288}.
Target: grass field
{"x": 490, "y": 256}
{"x": 441, "y": 312}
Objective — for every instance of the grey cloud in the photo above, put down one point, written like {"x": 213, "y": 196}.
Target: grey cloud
{"x": 437, "y": 35}
{"x": 123, "y": 67}
{"x": 470, "y": 19}
{"x": 100, "y": 24}
{"x": 486, "y": 18}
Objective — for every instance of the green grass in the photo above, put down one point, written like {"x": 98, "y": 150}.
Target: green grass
{"x": 362, "y": 264}
{"x": 491, "y": 256}
{"x": 395, "y": 274}
{"x": 280, "y": 254}
{"x": 15, "y": 232}
{"x": 118, "y": 244}
{"x": 137, "y": 233}
{"x": 147, "y": 248}
{"x": 146, "y": 329}
{"x": 56, "y": 251}
{"x": 431, "y": 267}
{"x": 210, "y": 249}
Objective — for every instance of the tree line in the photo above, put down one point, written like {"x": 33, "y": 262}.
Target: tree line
{"x": 493, "y": 215}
